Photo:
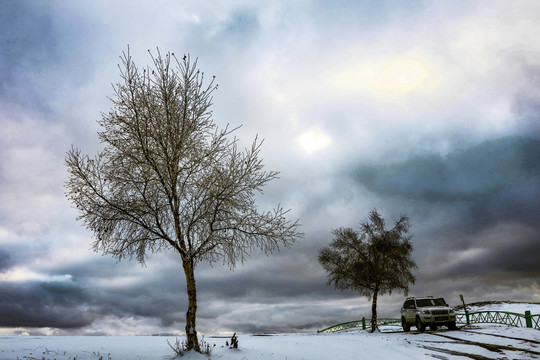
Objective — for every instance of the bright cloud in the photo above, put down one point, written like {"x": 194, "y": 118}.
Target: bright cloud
{"x": 389, "y": 76}
{"x": 21, "y": 274}
{"x": 313, "y": 141}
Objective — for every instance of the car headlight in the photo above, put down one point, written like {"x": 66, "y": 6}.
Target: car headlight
{"x": 426, "y": 312}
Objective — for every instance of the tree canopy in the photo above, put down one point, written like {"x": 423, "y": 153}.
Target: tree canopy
{"x": 168, "y": 177}
{"x": 371, "y": 260}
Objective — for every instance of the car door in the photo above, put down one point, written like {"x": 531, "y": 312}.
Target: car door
{"x": 410, "y": 311}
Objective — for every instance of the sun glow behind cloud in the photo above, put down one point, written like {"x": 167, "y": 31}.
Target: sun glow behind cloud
{"x": 313, "y": 141}
{"x": 389, "y": 76}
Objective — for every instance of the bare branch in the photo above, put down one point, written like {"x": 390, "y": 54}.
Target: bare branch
{"x": 169, "y": 177}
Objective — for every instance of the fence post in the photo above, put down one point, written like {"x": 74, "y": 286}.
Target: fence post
{"x": 363, "y": 323}
{"x": 528, "y": 319}
{"x": 467, "y": 317}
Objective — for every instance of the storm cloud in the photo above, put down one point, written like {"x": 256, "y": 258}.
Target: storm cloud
{"x": 486, "y": 197}
{"x": 477, "y": 172}
{"x": 425, "y": 109}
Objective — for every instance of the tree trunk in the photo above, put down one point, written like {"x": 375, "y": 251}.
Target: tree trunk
{"x": 191, "y": 332}
{"x": 374, "y": 311}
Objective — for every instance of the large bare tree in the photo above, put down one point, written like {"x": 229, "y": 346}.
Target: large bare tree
{"x": 372, "y": 260}
{"x": 168, "y": 177}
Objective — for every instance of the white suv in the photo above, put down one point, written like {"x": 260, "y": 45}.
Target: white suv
{"x": 427, "y": 311}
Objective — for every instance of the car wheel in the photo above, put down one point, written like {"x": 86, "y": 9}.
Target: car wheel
{"x": 433, "y": 327}
{"x": 420, "y": 325}
{"x": 452, "y": 325}
{"x": 404, "y": 324}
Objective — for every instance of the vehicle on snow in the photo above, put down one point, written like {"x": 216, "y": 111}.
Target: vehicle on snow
{"x": 427, "y": 311}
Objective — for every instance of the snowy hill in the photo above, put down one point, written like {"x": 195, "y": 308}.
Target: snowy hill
{"x": 478, "y": 341}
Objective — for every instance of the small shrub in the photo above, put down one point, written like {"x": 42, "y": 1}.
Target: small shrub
{"x": 234, "y": 342}
{"x": 205, "y": 347}
{"x": 180, "y": 347}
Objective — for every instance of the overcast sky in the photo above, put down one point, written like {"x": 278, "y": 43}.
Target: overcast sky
{"x": 424, "y": 108}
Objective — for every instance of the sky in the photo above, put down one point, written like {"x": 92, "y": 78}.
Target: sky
{"x": 424, "y": 108}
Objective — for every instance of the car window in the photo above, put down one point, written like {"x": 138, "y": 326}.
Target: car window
{"x": 423, "y": 302}
{"x": 429, "y": 302}
{"x": 409, "y": 304}
{"x": 440, "y": 302}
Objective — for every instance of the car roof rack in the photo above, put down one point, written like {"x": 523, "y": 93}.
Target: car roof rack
{"x": 420, "y": 297}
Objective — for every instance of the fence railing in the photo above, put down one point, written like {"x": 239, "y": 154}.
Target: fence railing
{"x": 360, "y": 324}
{"x": 467, "y": 318}
{"x": 500, "y": 317}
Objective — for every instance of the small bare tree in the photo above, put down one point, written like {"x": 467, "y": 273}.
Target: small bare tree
{"x": 169, "y": 178}
{"x": 372, "y": 260}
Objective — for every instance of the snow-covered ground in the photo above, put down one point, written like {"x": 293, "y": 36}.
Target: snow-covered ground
{"x": 479, "y": 341}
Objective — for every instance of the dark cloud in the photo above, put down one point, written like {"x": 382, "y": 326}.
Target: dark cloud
{"x": 474, "y": 213}
{"x": 126, "y": 289}
{"x": 41, "y": 56}
{"x": 26, "y": 44}
{"x": 35, "y": 304}
{"x": 27, "y": 35}
{"x": 464, "y": 175}
{"x": 508, "y": 251}
{"x": 5, "y": 260}
{"x": 91, "y": 291}
{"x": 280, "y": 276}
{"x": 104, "y": 288}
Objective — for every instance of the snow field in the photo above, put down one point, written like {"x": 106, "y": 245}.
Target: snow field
{"x": 290, "y": 346}
{"x": 477, "y": 341}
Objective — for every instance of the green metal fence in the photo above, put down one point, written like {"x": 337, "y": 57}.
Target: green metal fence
{"x": 467, "y": 318}
{"x": 360, "y": 324}
{"x": 500, "y": 317}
